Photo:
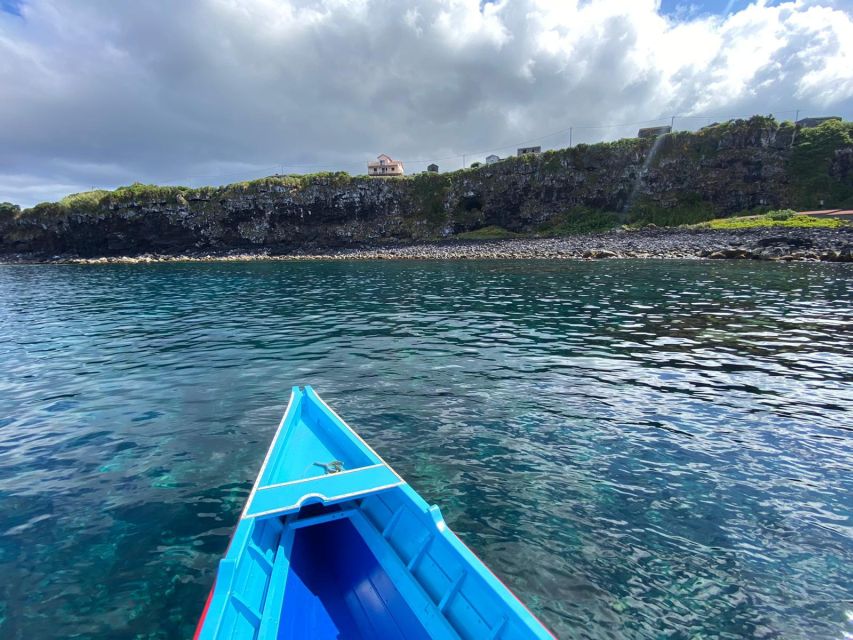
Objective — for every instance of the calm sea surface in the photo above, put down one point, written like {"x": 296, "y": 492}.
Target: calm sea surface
{"x": 639, "y": 449}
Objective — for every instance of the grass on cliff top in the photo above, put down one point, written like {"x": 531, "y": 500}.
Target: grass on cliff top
{"x": 91, "y": 200}
{"x": 339, "y": 178}
{"x": 782, "y": 218}
{"x": 9, "y": 210}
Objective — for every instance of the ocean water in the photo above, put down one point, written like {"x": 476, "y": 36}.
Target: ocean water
{"x": 640, "y": 449}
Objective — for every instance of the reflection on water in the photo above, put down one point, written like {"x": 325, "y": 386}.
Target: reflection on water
{"x": 640, "y": 449}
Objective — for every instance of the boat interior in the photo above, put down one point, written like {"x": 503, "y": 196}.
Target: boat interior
{"x": 338, "y": 589}
{"x": 376, "y": 567}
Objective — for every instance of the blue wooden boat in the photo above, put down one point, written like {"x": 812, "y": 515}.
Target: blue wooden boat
{"x": 332, "y": 543}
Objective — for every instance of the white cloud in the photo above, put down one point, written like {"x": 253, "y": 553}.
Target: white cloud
{"x": 103, "y": 93}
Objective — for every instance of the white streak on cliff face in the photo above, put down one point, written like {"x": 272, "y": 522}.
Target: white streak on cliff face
{"x": 187, "y": 91}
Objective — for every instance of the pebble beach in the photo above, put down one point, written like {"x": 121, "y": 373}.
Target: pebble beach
{"x": 773, "y": 243}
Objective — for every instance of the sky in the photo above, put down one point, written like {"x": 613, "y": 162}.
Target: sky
{"x": 98, "y": 93}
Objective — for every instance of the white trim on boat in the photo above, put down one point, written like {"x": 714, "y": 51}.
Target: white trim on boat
{"x": 325, "y": 499}
{"x": 267, "y": 457}
{"x": 328, "y": 475}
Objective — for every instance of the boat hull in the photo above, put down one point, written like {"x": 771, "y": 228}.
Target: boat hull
{"x": 349, "y": 551}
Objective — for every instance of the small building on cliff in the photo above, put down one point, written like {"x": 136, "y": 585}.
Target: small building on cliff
{"x": 384, "y": 165}
{"x": 492, "y": 159}
{"x": 432, "y": 168}
{"x": 526, "y": 151}
{"x": 653, "y": 132}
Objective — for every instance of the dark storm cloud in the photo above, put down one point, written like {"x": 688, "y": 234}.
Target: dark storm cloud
{"x": 100, "y": 93}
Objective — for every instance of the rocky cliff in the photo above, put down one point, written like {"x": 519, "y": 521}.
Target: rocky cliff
{"x": 680, "y": 178}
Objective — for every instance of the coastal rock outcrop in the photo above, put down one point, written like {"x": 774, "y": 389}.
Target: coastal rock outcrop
{"x": 679, "y": 178}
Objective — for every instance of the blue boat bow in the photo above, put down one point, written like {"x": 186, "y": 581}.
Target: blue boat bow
{"x": 333, "y": 543}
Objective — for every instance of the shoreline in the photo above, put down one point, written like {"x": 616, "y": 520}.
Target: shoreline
{"x": 769, "y": 243}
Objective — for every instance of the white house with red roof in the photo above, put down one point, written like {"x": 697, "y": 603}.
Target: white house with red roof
{"x": 385, "y": 166}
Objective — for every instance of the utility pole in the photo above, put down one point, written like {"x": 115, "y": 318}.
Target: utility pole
{"x": 570, "y": 137}
{"x": 463, "y": 160}
{"x": 672, "y": 124}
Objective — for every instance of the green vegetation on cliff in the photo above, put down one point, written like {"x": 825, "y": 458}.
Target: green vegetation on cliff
{"x": 86, "y": 201}
{"x": 90, "y": 201}
{"x": 738, "y": 168}
{"x": 821, "y": 166}
{"x": 429, "y": 193}
{"x": 8, "y": 209}
{"x": 785, "y": 218}
{"x": 579, "y": 220}
{"x": 691, "y": 209}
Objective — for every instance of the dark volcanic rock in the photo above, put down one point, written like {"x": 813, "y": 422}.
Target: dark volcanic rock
{"x": 789, "y": 241}
{"x": 717, "y": 171}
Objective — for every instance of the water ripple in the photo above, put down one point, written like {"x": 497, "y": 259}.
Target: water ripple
{"x": 640, "y": 449}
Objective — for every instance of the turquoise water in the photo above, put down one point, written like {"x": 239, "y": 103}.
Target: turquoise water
{"x": 639, "y": 449}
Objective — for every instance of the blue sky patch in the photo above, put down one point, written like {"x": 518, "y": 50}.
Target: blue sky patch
{"x": 686, "y": 9}
{"x": 693, "y": 8}
{"x": 11, "y": 6}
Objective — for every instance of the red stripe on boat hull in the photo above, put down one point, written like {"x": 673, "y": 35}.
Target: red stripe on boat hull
{"x": 204, "y": 612}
